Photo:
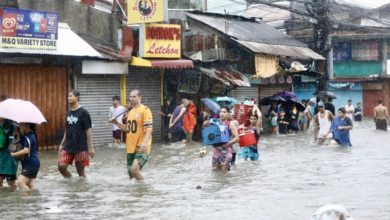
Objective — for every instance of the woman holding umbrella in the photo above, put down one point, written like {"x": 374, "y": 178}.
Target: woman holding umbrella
{"x": 26, "y": 115}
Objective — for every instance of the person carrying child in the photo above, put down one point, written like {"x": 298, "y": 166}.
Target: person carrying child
{"x": 8, "y": 165}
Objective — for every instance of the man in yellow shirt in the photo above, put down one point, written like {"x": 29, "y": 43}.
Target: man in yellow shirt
{"x": 139, "y": 135}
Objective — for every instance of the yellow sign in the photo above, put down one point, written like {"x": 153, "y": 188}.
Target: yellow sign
{"x": 28, "y": 43}
{"x": 146, "y": 11}
{"x": 160, "y": 41}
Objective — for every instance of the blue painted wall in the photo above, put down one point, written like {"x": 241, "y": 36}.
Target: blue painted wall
{"x": 355, "y": 94}
{"x": 306, "y": 90}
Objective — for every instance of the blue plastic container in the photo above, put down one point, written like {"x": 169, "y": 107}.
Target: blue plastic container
{"x": 215, "y": 133}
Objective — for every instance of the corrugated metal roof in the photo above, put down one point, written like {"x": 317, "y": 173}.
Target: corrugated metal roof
{"x": 281, "y": 50}
{"x": 245, "y": 29}
{"x": 68, "y": 44}
{"x": 256, "y": 36}
{"x": 225, "y": 73}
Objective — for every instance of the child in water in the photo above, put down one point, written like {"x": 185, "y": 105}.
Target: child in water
{"x": 283, "y": 123}
{"x": 274, "y": 122}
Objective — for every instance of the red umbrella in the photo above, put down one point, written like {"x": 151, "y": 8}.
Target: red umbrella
{"x": 21, "y": 111}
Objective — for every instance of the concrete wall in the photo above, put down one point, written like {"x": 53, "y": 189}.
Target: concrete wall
{"x": 86, "y": 21}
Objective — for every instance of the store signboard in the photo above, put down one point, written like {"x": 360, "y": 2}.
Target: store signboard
{"x": 28, "y": 29}
{"x": 146, "y": 11}
{"x": 160, "y": 41}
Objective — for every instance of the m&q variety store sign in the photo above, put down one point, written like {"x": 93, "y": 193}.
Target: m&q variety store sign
{"x": 28, "y": 29}
{"x": 160, "y": 41}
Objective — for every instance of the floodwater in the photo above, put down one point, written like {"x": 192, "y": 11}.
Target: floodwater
{"x": 293, "y": 178}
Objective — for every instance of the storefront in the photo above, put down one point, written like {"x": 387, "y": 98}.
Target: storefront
{"x": 44, "y": 76}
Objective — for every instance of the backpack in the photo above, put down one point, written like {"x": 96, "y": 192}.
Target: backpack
{"x": 216, "y": 133}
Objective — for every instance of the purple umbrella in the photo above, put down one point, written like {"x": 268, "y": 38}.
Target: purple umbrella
{"x": 287, "y": 95}
{"x": 210, "y": 104}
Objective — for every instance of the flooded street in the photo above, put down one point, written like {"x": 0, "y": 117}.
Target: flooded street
{"x": 293, "y": 178}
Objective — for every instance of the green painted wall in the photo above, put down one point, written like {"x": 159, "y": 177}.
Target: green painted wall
{"x": 357, "y": 69}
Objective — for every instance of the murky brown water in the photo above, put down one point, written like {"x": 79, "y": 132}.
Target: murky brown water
{"x": 293, "y": 178}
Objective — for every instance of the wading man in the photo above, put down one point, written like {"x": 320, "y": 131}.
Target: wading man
{"x": 77, "y": 141}
{"x": 381, "y": 116}
{"x": 139, "y": 135}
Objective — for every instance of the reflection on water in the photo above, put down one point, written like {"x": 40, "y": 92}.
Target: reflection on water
{"x": 293, "y": 178}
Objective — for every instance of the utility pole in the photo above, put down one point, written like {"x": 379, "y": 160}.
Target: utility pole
{"x": 322, "y": 41}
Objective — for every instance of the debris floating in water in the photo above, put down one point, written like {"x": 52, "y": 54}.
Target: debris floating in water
{"x": 198, "y": 187}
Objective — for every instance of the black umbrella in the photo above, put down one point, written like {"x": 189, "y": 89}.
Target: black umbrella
{"x": 325, "y": 94}
{"x": 300, "y": 106}
{"x": 270, "y": 99}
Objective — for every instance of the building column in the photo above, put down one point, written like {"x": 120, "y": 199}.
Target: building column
{"x": 384, "y": 57}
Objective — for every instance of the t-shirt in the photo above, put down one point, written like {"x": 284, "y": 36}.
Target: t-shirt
{"x": 349, "y": 109}
{"x": 138, "y": 120}
{"x": 358, "y": 114}
{"x": 348, "y": 121}
{"x": 32, "y": 160}
{"x": 77, "y": 122}
{"x": 115, "y": 112}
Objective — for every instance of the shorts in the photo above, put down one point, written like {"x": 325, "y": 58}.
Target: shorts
{"x": 9, "y": 177}
{"x": 178, "y": 136}
{"x": 222, "y": 157}
{"x": 81, "y": 157}
{"x": 30, "y": 172}
{"x": 251, "y": 153}
{"x": 142, "y": 158}
{"x": 117, "y": 134}
{"x": 381, "y": 124}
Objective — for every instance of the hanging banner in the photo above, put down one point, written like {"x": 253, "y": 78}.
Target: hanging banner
{"x": 160, "y": 41}
{"x": 146, "y": 11}
{"x": 28, "y": 29}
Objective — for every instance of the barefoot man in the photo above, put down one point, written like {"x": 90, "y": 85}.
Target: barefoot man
{"x": 76, "y": 144}
{"x": 139, "y": 135}
{"x": 322, "y": 124}
{"x": 381, "y": 116}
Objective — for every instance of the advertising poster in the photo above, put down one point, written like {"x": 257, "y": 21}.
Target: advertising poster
{"x": 160, "y": 41}
{"x": 28, "y": 29}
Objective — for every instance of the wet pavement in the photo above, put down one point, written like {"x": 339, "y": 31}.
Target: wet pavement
{"x": 293, "y": 178}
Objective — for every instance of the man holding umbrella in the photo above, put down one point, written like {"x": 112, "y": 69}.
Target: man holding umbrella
{"x": 77, "y": 141}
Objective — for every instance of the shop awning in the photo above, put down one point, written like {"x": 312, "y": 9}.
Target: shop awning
{"x": 162, "y": 64}
{"x": 226, "y": 74}
{"x": 68, "y": 44}
{"x": 104, "y": 67}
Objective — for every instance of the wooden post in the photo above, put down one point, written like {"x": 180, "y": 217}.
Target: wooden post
{"x": 123, "y": 89}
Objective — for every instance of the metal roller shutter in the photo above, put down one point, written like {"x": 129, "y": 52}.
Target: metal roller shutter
{"x": 240, "y": 93}
{"x": 96, "y": 92}
{"x": 148, "y": 82}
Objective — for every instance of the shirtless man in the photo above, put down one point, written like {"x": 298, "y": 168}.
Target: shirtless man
{"x": 381, "y": 116}
{"x": 322, "y": 123}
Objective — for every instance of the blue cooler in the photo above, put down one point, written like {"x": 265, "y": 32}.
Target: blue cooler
{"x": 215, "y": 133}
